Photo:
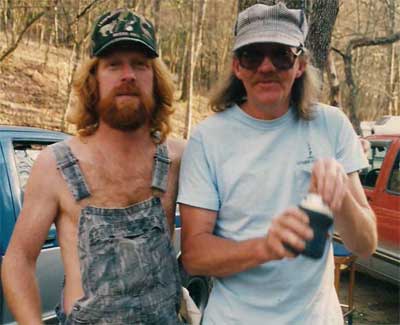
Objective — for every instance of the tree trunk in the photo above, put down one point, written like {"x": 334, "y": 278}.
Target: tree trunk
{"x": 322, "y": 20}
{"x": 195, "y": 46}
{"x": 188, "y": 117}
{"x": 10, "y": 20}
{"x": 74, "y": 59}
{"x": 391, "y": 85}
{"x": 186, "y": 67}
{"x": 156, "y": 15}
{"x": 392, "y": 50}
{"x": 56, "y": 38}
{"x": 334, "y": 84}
{"x": 352, "y": 106}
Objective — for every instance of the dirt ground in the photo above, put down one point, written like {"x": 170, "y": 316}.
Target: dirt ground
{"x": 376, "y": 302}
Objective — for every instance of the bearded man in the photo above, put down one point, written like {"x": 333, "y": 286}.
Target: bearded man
{"x": 110, "y": 191}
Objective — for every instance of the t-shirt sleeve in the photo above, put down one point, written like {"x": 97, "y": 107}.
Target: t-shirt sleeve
{"x": 349, "y": 151}
{"x": 197, "y": 184}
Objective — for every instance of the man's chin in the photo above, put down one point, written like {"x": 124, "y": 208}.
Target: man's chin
{"x": 123, "y": 101}
{"x": 124, "y": 127}
{"x": 126, "y": 119}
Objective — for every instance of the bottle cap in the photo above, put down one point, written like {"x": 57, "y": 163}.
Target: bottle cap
{"x": 314, "y": 202}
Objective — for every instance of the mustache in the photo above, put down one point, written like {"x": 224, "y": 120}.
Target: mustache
{"x": 266, "y": 78}
{"x": 127, "y": 89}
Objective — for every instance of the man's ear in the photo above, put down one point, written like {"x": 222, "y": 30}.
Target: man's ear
{"x": 236, "y": 67}
{"x": 302, "y": 68}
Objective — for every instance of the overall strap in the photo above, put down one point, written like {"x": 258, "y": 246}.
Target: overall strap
{"x": 160, "y": 170}
{"x": 68, "y": 165}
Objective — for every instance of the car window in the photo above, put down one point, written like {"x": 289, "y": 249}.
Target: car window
{"x": 25, "y": 155}
{"x": 376, "y": 155}
{"x": 394, "y": 178}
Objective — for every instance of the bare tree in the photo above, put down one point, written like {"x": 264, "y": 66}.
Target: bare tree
{"x": 334, "y": 83}
{"x": 156, "y": 14}
{"x": 195, "y": 47}
{"x": 348, "y": 64}
{"x": 5, "y": 53}
{"x": 393, "y": 84}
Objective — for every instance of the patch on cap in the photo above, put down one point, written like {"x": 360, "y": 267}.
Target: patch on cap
{"x": 270, "y": 24}
{"x": 122, "y": 25}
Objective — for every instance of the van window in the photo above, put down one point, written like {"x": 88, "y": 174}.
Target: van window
{"x": 369, "y": 175}
{"x": 25, "y": 156}
{"x": 394, "y": 178}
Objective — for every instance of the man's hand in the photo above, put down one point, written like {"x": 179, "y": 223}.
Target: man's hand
{"x": 330, "y": 181}
{"x": 287, "y": 235}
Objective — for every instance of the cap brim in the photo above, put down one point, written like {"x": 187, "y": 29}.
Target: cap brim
{"x": 266, "y": 38}
{"x": 129, "y": 42}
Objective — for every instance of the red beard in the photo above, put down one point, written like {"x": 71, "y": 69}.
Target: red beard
{"x": 126, "y": 114}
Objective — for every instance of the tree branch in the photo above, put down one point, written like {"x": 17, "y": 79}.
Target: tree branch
{"x": 12, "y": 47}
{"x": 338, "y": 51}
{"x": 366, "y": 41}
{"x": 86, "y": 9}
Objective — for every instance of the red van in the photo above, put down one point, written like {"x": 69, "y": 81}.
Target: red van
{"x": 381, "y": 182}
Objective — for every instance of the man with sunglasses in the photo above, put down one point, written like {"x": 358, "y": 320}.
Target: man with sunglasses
{"x": 247, "y": 167}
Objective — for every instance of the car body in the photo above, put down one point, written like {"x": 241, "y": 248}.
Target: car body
{"x": 19, "y": 146}
{"x": 387, "y": 124}
{"x": 381, "y": 182}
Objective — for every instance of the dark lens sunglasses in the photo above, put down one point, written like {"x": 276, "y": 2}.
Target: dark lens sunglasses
{"x": 282, "y": 57}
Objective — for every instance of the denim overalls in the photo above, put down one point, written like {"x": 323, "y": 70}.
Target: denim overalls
{"x": 127, "y": 262}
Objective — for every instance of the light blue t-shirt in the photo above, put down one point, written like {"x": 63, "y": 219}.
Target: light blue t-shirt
{"x": 249, "y": 171}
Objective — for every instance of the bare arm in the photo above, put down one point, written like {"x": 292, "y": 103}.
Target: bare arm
{"x": 356, "y": 222}
{"x": 19, "y": 264}
{"x": 354, "y": 219}
{"x": 203, "y": 253}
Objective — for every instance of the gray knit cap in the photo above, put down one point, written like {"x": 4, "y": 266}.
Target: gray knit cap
{"x": 270, "y": 24}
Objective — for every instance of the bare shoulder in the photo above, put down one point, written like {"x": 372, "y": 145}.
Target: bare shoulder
{"x": 44, "y": 172}
{"x": 45, "y": 162}
{"x": 175, "y": 148}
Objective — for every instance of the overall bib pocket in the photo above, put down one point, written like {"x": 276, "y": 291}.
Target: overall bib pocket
{"x": 125, "y": 257}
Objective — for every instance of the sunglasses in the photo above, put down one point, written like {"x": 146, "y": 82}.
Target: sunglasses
{"x": 282, "y": 57}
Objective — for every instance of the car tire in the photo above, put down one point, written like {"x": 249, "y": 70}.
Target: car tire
{"x": 199, "y": 287}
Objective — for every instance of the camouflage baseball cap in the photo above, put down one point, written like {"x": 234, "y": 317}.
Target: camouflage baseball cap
{"x": 122, "y": 26}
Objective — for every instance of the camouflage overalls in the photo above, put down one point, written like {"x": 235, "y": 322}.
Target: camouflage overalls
{"x": 127, "y": 261}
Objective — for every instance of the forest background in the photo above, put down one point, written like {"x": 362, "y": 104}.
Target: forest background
{"x": 355, "y": 44}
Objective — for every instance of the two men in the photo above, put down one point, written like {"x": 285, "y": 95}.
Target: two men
{"x": 111, "y": 191}
{"x": 246, "y": 168}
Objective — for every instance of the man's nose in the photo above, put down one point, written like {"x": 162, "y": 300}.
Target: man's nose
{"x": 128, "y": 73}
{"x": 266, "y": 65}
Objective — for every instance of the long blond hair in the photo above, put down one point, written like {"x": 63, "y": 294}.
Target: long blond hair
{"x": 305, "y": 90}
{"x": 84, "y": 115}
